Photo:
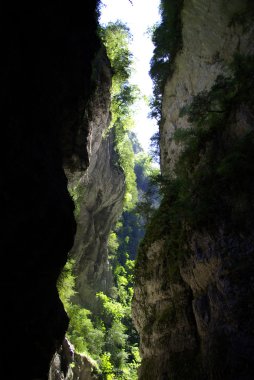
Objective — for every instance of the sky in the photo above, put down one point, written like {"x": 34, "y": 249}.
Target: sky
{"x": 139, "y": 15}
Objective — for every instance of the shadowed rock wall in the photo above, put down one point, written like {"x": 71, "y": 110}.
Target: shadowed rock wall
{"x": 46, "y": 54}
{"x": 194, "y": 308}
{"x": 99, "y": 191}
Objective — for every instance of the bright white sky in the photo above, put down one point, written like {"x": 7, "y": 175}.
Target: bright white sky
{"x": 139, "y": 15}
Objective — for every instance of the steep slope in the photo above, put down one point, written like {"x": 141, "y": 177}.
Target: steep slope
{"x": 98, "y": 192}
{"x": 103, "y": 199}
{"x": 193, "y": 301}
{"x": 100, "y": 205}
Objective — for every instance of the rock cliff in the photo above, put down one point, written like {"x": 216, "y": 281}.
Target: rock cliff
{"x": 99, "y": 191}
{"x": 47, "y": 50}
{"x": 193, "y": 300}
{"x": 101, "y": 205}
{"x": 68, "y": 365}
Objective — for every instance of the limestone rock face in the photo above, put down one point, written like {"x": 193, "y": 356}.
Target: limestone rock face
{"x": 68, "y": 365}
{"x": 162, "y": 314}
{"x": 211, "y": 37}
{"x": 219, "y": 273}
{"x": 195, "y": 316}
{"x": 100, "y": 204}
{"x": 94, "y": 118}
{"x": 100, "y": 192}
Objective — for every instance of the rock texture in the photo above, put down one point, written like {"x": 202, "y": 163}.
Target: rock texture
{"x": 100, "y": 192}
{"x": 211, "y": 36}
{"x": 68, "y": 365}
{"x": 46, "y": 50}
{"x": 101, "y": 204}
{"x": 197, "y": 323}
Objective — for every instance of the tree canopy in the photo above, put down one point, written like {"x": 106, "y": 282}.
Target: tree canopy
{"x": 116, "y": 37}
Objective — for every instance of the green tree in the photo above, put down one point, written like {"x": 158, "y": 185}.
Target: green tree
{"x": 167, "y": 40}
{"x": 82, "y": 332}
{"x": 116, "y": 37}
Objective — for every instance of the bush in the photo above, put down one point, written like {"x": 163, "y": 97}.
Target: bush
{"x": 116, "y": 37}
{"x": 213, "y": 180}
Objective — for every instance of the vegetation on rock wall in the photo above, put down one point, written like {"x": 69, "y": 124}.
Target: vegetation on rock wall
{"x": 167, "y": 41}
{"x": 81, "y": 324}
{"x": 213, "y": 178}
{"x": 131, "y": 226}
{"x": 109, "y": 337}
{"x": 116, "y": 37}
{"x": 215, "y": 166}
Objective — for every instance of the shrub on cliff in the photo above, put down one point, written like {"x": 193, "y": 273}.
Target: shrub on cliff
{"x": 213, "y": 179}
{"x": 167, "y": 41}
{"x": 116, "y": 37}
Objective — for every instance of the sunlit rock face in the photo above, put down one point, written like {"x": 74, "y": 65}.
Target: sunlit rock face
{"x": 46, "y": 50}
{"x": 101, "y": 190}
{"x": 101, "y": 205}
{"x": 211, "y": 36}
{"x": 68, "y": 365}
{"x": 198, "y": 324}
{"x": 98, "y": 191}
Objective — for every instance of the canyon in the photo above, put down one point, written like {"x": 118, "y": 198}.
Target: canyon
{"x": 193, "y": 298}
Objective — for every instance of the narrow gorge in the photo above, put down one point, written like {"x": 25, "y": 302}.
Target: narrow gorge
{"x": 113, "y": 269}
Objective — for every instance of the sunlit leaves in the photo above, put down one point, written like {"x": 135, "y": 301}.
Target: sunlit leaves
{"x": 106, "y": 366}
{"x": 66, "y": 283}
{"x": 167, "y": 41}
{"x": 82, "y": 332}
{"x": 116, "y": 37}
{"x": 115, "y": 310}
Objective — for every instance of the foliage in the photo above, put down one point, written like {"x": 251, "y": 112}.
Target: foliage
{"x": 66, "y": 283}
{"x": 111, "y": 308}
{"x": 106, "y": 366}
{"x": 215, "y": 164}
{"x": 144, "y": 169}
{"x": 155, "y": 147}
{"x": 82, "y": 332}
{"x": 104, "y": 338}
{"x": 167, "y": 41}
{"x": 121, "y": 339}
{"x": 109, "y": 337}
{"x": 116, "y": 37}
{"x": 130, "y": 227}
{"x": 113, "y": 243}
{"x": 77, "y": 193}
{"x": 213, "y": 180}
